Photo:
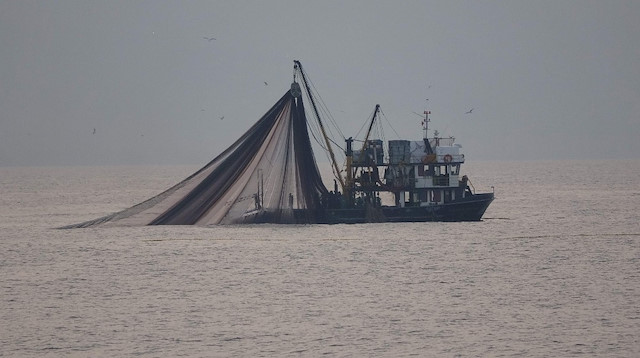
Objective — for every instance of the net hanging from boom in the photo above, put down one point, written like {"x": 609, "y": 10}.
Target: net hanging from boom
{"x": 268, "y": 175}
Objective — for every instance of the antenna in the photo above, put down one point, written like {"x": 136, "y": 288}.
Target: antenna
{"x": 425, "y": 123}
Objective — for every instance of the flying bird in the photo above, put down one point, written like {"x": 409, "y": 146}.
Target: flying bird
{"x": 221, "y": 118}
{"x": 469, "y": 112}
{"x": 209, "y": 38}
{"x": 94, "y": 131}
{"x": 265, "y": 83}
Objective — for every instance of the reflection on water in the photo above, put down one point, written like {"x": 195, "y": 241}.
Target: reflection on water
{"x": 554, "y": 270}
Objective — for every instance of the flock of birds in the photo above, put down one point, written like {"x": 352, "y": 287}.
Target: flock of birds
{"x": 211, "y": 38}
{"x": 467, "y": 112}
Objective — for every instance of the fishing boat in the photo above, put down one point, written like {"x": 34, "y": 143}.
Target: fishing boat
{"x": 270, "y": 175}
{"x": 423, "y": 178}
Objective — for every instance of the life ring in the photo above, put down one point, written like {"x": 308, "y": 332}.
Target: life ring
{"x": 448, "y": 158}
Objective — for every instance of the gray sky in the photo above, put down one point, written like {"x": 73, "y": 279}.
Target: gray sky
{"x": 546, "y": 79}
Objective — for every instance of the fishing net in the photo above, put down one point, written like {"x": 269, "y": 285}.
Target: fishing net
{"x": 268, "y": 175}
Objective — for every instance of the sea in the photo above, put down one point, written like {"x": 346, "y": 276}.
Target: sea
{"x": 552, "y": 270}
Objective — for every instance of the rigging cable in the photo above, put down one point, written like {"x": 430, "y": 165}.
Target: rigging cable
{"x": 393, "y": 129}
{"x": 323, "y": 107}
{"x": 335, "y": 169}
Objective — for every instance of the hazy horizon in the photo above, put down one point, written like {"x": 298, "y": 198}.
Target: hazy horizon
{"x": 144, "y": 83}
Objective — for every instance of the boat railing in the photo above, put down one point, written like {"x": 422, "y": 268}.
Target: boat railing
{"x": 441, "y": 141}
{"x": 448, "y": 158}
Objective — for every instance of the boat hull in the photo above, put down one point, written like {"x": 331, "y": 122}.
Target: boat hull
{"x": 468, "y": 209}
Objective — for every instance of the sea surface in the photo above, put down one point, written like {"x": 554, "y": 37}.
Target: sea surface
{"x": 553, "y": 270}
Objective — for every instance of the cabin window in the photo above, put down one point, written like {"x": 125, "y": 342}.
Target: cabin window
{"x": 425, "y": 170}
{"x": 455, "y": 169}
{"x": 435, "y": 196}
{"x": 429, "y": 170}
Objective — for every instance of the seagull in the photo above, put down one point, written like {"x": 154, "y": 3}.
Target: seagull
{"x": 209, "y": 38}
{"x": 471, "y": 110}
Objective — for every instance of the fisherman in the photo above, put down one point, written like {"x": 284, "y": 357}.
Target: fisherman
{"x": 256, "y": 198}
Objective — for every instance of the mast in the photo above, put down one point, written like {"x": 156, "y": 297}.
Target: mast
{"x": 298, "y": 65}
{"x": 425, "y": 124}
{"x": 373, "y": 120}
{"x": 350, "y": 172}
